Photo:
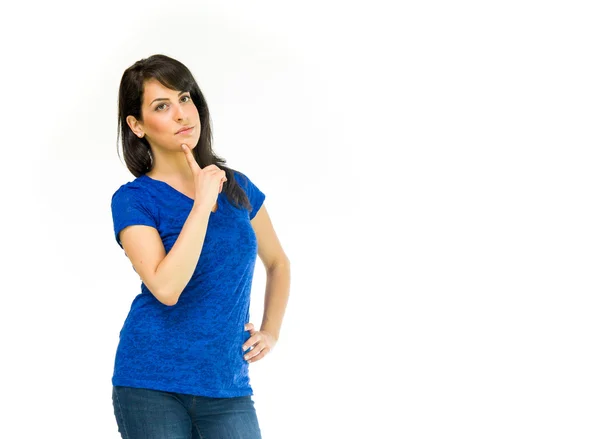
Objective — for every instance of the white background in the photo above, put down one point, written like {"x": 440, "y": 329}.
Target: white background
{"x": 430, "y": 167}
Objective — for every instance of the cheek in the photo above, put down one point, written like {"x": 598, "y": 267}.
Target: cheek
{"x": 194, "y": 113}
{"x": 158, "y": 124}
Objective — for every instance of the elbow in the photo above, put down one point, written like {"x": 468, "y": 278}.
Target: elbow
{"x": 282, "y": 262}
{"x": 166, "y": 294}
{"x": 170, "y": 300}
{"x": 165, "y": 298}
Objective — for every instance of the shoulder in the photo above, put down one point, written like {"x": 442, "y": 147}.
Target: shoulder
{"x": 255, "y": 195}
{"x": 131, "y": 190}
{"x": 244, "y": 181}
{"x": 240, "y": 177}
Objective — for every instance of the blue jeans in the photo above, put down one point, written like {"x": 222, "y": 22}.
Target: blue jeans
{"x": 154, "y": 414}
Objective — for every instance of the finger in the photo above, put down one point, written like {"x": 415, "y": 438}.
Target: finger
{"x": 215, "y": 169}
{"x": 258, "y": 356}
{"x": 250, "y": 343}
{"x": 253, "y": 340}
{"x": 215, "y": 173}
{"x": 188, "y": 156}
{"x": 248, "y": 326}
{"x": 212, "y": 168}
{"x": 254, "y": 351}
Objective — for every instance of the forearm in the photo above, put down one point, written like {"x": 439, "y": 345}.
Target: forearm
{"x": 277, "y": 292}
{"x": 176, "y": 269}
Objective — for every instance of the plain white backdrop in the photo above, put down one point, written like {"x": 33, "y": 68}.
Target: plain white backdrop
{"x": 431, "y": 169}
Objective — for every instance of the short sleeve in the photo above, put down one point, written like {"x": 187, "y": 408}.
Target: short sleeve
{"x": 254, "y": 194}
{"x": 128, "y": 209}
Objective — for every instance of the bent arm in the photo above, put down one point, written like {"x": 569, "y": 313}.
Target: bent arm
{"x": 167, "y": 275}
{"x": 277, "y": 266}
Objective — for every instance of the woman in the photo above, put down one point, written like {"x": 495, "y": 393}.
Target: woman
{"x": 192, "y": 229}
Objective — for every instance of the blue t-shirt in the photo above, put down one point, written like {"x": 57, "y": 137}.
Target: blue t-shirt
{"x": 195, "y": 346}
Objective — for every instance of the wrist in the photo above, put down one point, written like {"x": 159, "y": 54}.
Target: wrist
{"x": 273, "y": 334}
{"x": 203, "y": 206}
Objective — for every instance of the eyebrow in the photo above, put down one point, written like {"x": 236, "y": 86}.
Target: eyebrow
{"x": 166, "y": 99}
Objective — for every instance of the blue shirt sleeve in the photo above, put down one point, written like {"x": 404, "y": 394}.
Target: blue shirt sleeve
{"x": 128, "y": 210}
{"x": 254, "y": 194}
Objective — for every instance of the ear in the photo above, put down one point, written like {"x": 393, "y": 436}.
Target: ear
{"x": 135, "y": 126}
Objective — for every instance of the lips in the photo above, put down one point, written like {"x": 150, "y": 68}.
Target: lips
{"x": 185, "y": 130}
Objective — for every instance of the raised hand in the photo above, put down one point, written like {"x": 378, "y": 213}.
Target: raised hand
{"x": 208, "y": 181}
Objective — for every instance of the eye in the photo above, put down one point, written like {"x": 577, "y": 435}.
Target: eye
{"x": 187, "y": 97}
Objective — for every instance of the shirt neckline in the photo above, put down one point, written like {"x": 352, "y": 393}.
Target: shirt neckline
{"x": 181, "y": 194}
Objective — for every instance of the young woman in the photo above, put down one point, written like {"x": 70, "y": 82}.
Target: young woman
{"x": 192, "y": 228}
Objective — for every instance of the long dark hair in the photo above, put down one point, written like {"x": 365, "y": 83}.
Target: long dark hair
{"x": 176, "y": 76}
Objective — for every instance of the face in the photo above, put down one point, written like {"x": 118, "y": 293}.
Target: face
{"x": 165, "y": 112}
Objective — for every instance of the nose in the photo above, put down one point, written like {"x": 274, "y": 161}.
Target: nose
{"x": 179, "y": 114}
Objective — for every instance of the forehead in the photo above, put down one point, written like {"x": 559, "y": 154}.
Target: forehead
{"x": 153, "y": 89}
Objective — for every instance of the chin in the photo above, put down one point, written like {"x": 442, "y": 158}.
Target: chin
{"x": 191, "y": 143}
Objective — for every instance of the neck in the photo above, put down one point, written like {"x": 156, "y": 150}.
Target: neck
{"x": 170, "y": 166}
